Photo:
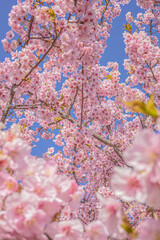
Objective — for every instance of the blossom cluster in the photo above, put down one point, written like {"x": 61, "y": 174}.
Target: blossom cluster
{"x": 32, "y": 193}
{"x": 103, "y": 183}
{"x": 141, "y": 181}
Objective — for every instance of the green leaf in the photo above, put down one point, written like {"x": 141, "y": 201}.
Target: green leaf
{"x": 128, "y": 27}
{"x": 126, "y": 225}
{"x": 109, "y": 77}
{"x": 52, "y": 14}
{"x": 148, "y": 108}
{"x": 151, "y": 108}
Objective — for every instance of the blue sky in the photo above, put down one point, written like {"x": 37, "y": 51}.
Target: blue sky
{"x": 115, "y": 50}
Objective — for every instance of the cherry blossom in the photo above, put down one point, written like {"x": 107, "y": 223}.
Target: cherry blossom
{"x": 149, "y": 229}
{"x": 103, "y": 182}
{"x": 128, "y": 185}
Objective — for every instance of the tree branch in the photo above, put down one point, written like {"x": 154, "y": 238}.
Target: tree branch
{"x": 48, "y": 236}
{"x": 10, "y": 99}
{"x": 105, "y": 8}
{"x": 72, "y": 103}
{"x": 96, "y": 136}
{"x": 29, "y": 31}
{"x": 41, "y": 59}
{"x": 26, "y": 106}
{"x": 81, "y": 108}
{"x": 75, "y": 3}
{"x": 14, "y": 86}
{"x": 151, "y": 71}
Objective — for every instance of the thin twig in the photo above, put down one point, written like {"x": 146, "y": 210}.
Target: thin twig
{"x": 40, "y": 60}
{"x": 27, "y": 106}
{"x": 81, "y": 108}
{"x": 151, "y": 71}
{"x": 10, "y": 99}
{"x": 96, "y": 136}
{"x": 142, "y": 122}
{"x": 144, "y": 90}
{"x": 72, "y": 103}
{"x": 105, "y": 8}
{"x": 75, "y": 3}
{"x": 150, "y": 25}
{"x": 48, "y": 236}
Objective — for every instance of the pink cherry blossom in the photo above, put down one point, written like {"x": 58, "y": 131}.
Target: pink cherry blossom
{"x": 128, "y": 185}
{"x": 23, "y": 214}
{"x": 111, "y": 215}
{"x": 50, "y": 150}
{"x": 16, "y": 150}
{"x": 95, "y": 231}
{"x": 144, "y": 154}
{"x": 8, "y": 184}
{"x": 149, "y": 229}
{"x": 53, "y": 86}
{"x": 65, "y": 230}
{"x": 9, "y": 35}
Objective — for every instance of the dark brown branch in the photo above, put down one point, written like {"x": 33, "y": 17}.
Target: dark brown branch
{"x": 144, "y": 90}
{"x": 40, "y": 60}
{"x": 75, "y": 3}
{"x": 105, "y": 8}
{"x": 81, "y": 108}
{"x": 65, "y": 116}
{"x": 151, "y": 71}
{"x": 29, "y": 31}
{"x": 23, "y": 107}
{"x": 72, "y": 103}
{"x": 10, "y": 99}
{"x": 74, "y": 175}
{"x": 12, "y": 92}
{"x": 108, "y": 143}
{"x": 82, "y": 220}
{"x": 48, "y": 236}
{"x": 88, "y": 122}
{"x": 141, "y": 121}
{"x": 150, "y": 27}
{"x": 96, "y": 136}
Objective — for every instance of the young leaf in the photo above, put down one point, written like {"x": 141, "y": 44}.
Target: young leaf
{"x": 109, "y": 77}
{"x": 128, "y": 27}
{"x": 148, "y": 108}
